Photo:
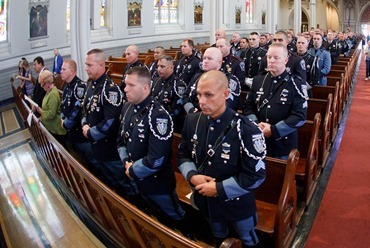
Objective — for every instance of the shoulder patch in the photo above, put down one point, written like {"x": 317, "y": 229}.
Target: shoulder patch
{"x": 303, "y": 65}
{"x": 160, "y": 122}
{"x": 258, "y": 142}
{"x": 242, "y": 65}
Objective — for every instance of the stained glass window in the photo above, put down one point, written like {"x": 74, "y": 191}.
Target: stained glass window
{"x": 249, "y": 11}
{"x": 102, "y": 13}
{"x": 68, "y": 15}
{"x": 165, "y": 11}
{"x": 3, "y": 20}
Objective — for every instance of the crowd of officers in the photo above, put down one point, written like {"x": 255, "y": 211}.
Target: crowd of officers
{"x": 125, "y": 132}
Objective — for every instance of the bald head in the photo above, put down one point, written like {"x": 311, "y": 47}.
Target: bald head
{"x": 218, "y": 79}
{"x": 212, "y": 59}
{"x": 220, "y": 33}
{"x": 212, "y": 93}
{"x": 132, "y": 54}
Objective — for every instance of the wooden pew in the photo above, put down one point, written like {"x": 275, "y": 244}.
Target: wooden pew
{"x": 115, "y": 70}
{"x": 332, "y": 81}
{"x": 324, "y": 108}
{"x": 124, "y": 224}
{"x": 276, "y": 198}
{"x": 307, "y": 168}
{"x": 322, "y": 92}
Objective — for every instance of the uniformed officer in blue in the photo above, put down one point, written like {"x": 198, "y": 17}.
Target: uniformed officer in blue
{"x": 71, "y": 110}
{"x": 212, "y": 60}
{"x": 253, "y": 58}
{"x": 189, "y": 64}
{"x": 222, "y": 155}
{"x": 101, "y": 109}
{"x": 71, "y": 107}
{"x": 144, "y": 146}
{"x": 132, "y": 58}
{"x": 277, "y": 101}
{"x": 168, "y": 89}
{"x": 230, "y": 64}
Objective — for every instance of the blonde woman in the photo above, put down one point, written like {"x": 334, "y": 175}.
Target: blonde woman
{"x": 50, "y": 110}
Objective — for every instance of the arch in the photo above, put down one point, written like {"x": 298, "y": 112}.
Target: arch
{"x": 364, "y": 10}
{"x": 304, "y": 19}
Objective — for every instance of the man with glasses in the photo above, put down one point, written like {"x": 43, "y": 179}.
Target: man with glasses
{"x": 323, "y": 56}
{"x": 253, "y": 59}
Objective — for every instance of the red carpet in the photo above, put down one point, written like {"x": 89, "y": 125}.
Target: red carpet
{"x": 343, "y": 219}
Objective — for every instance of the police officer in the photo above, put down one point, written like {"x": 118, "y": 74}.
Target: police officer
{"x": 295, "y": 64}
{"x": 222, "y": 155}
{"x": 144, "y": 145}
{"x": 312, "y": 68}
{"x": 71, "y": 110}
{"x": 168, "y": 90}
{"x": 231, "y": 64}
{"x": 189, "y": 64}
{"x": 332, "y": 46}
{"x": 277, "y": 101}
{"x": 101, "y": 109}
{"x": 212, "y": 60}
{"x": 132, "y": 58}
{"x": 158, "y": 52}
{"x": 253, "y": 58}
{"x": 343, "y": 45}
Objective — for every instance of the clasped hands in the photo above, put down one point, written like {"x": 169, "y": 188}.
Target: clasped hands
{"x": 266, "y": 129}
{"x": 205, "y": 185}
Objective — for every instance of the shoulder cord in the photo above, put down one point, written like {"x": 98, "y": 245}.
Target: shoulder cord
{"x": 244, "y": 147}
{"x": 127, "y": 134}
{"x": 151, "y": 125}
{"x": 217, "y": 144}
{"x": 107, "y": 98}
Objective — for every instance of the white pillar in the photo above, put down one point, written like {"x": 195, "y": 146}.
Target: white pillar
{"x": 80, "y": 34}
{"x": 297, "y": 16}
{"x": 271, "y": 16}
{"x": 213, "y": 21}
{"x": 312, "y": 14}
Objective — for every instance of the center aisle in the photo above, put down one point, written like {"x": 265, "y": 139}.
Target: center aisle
{"x": 343, "y": 219}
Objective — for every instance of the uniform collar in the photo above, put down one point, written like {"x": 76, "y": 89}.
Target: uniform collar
{"x": 169, "y": 79}
{"x": 100, "y": 80}
{"x": 144, "y": 103}
{"x": 223, "y": 119}
{"x": 281, "y": 76}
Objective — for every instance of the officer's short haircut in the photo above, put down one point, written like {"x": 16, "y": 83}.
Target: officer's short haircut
{"x": 71, "y": 63}
{"x": 39, "y": 60}
{"x": 142, "y": 72}
{"x": 167, "y": 58}
{"x": 263, "y": 35}
{"x": 99, "y": 54}
{"x": 255, "y": 33}
{"x": 317, "y": 33}
{"x": 160, "y": 47}
{"x": 276, "y": 44}
{"x": 282, "y": 32}
{"x": 190, "y": 42}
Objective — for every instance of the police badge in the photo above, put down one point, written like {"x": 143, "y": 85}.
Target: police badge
{"x": 232, "y": 85}
{"x": 258, "y": 142}
{"x": 162, "y": 125}
{"x": 80, "y": 92}
{"x": 113, "y": 97}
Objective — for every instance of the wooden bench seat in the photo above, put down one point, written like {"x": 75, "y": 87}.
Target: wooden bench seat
{"x": 306, "y": 173}
{"x": 324, "y": 108}
{"x": 322, "y": 92}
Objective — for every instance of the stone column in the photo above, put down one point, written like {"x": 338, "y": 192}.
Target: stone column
{"x": 297, "y": 16}
{"x": 80, "y": 34}
{"x": 312, "y": 14}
